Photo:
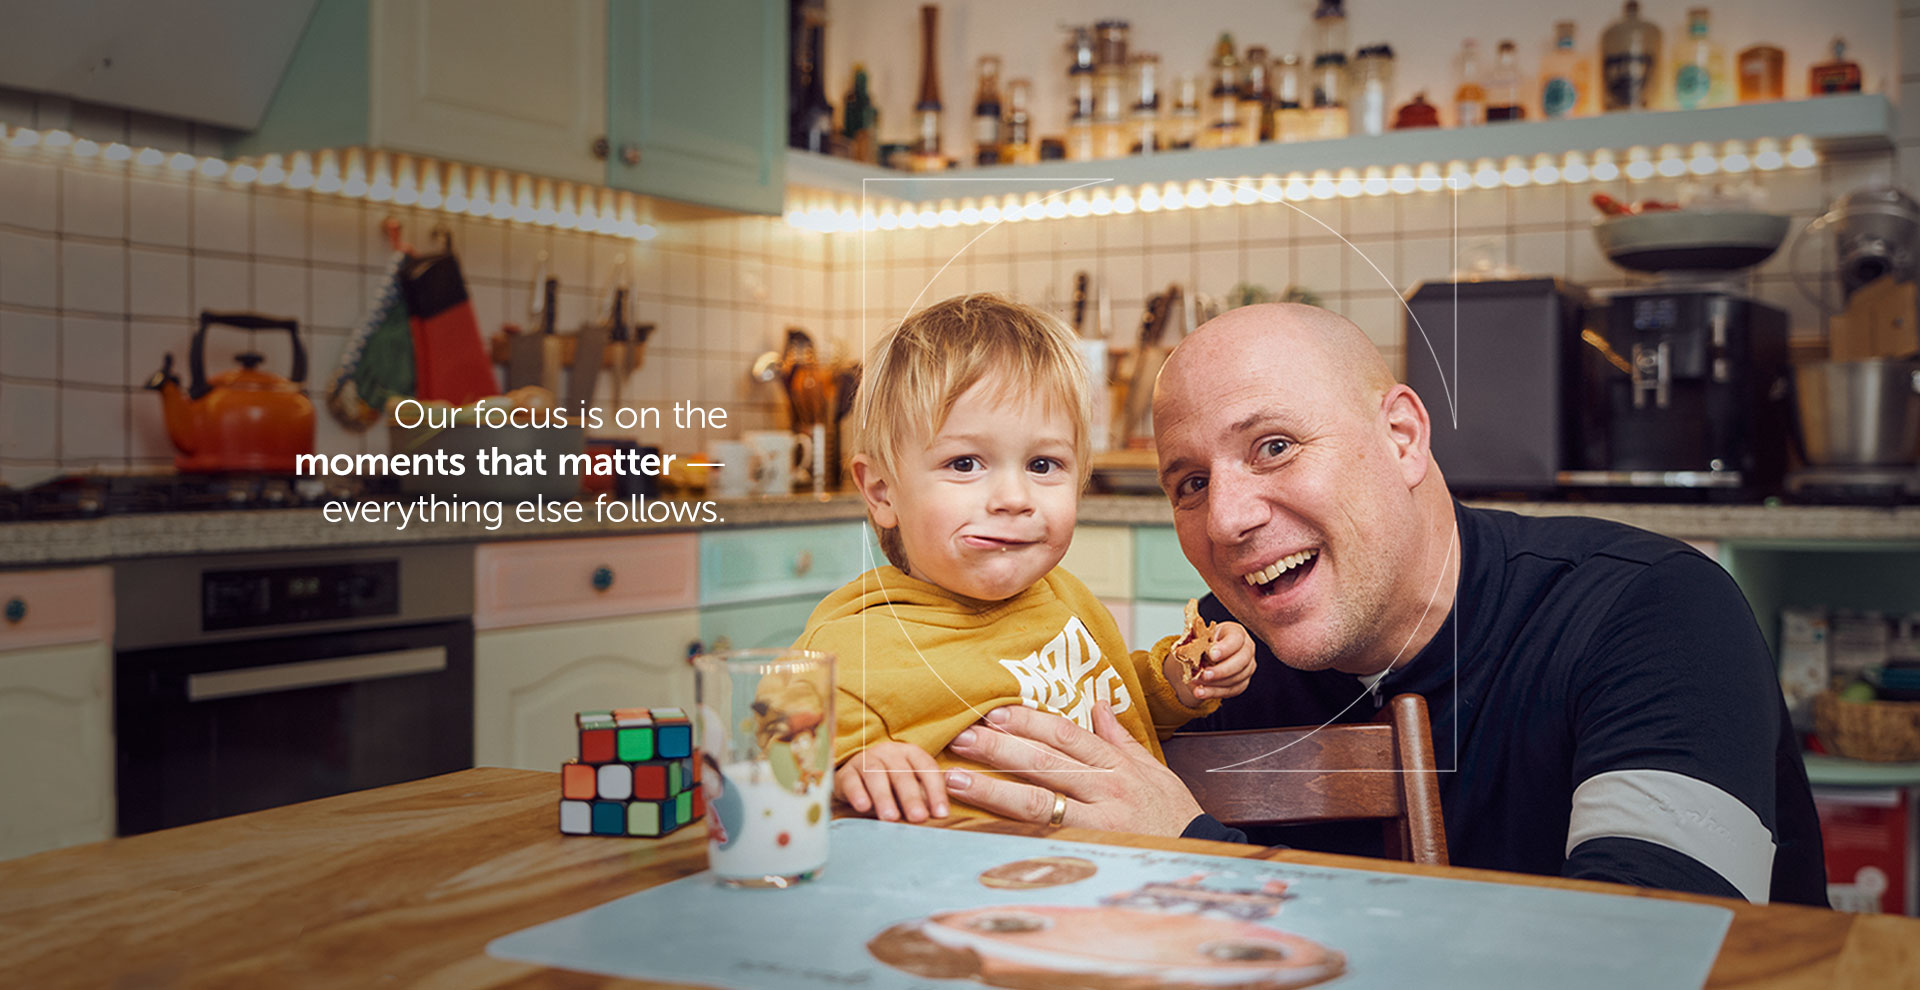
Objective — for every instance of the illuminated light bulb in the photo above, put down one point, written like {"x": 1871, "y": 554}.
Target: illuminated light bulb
{"x": 56, "y": 139}
{"x": 150, "y": 157}
{"x": 1149, "y": 199}
{"x": 1056, "y": 208}
{"x": 970, "y": 215}
{"x": 1348, "y": 185}
{"x": 1298, "y": 188}
{"x": 24, "y": 138}
{"x": 1271, "y": 191}
{"x": 1735, "y": 164}
{"x": 300, "y": 175}
{"x": 1640, "y": 170}
{"x": 1197, "y": 195}
{"x": 1486, "y": 175}
{"x": 117, "y": 152}
{"x": 1671, "y": 168}
{"x": 1123, "y": 203}
{"x": 1404, "y": 184}
{"x": 645, "y": 232}
{"x": 1576, "y": 172}
{"x": 1703, "y": 164}
{"x": 1245, "y": 194}
{"x": 847, "y": 219}
{"x": 1173, "y": 199}
{"x": 1323, "y": 186}
{"x": 1516, "y": 175}
{"x": 950, "y": 217}
{"x": 1802, "y": 158}
{"x": 244, "y": 173}
{"x": 1545, "y": 174}
{"x": 213, "y": 168}
{"x": 84, "y": 148}
{"x": 1605, "y": 171}
{"x": 1221, "y": 194}
{"x": 889, "y": 220}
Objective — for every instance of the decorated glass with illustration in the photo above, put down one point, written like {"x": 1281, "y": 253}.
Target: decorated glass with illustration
{"x": 766, "y": 731}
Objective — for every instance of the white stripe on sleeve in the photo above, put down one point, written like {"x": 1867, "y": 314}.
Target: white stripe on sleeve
{"x": 1682, "y": 813}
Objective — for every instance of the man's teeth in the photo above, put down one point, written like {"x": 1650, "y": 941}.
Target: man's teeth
{"x": 1279, "y": 567}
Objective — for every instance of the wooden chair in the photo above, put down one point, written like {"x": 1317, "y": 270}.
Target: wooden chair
{"x": 1324, "y": 776}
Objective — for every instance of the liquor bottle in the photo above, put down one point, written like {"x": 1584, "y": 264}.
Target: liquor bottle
{"x": 1700, "y": 71}
{"x": 1629, "y": 61}
{"x": 1084, "y": 103}
{"x": 1289, "y": 100}
{"x": 1503, "y": 85}
{"x": 1469, "y": 98}
{"x": 926, "y": 111}
{"x": 1837, "y": 76}
{"x": 1761, "y": 70}
{"x": 1223, "y": 99}
{"x": 1017, "y": 146}
{"x": 986, "y": 112}
{"x": 810, "y": 116}
{"x": 1330, "y": 28}
{"x": 1145, "y": 130}
{"x": 1370, "y": 107}
{"x": 1183, "y": 124}
{"x": 1328, "y": 118}
{"x": 860, "y": 123}
{"x": 1256, "y": 97}
{"x": 1566, "y": 77}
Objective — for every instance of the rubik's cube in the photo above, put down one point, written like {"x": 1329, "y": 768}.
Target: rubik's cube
{"x": 638, "y": 774}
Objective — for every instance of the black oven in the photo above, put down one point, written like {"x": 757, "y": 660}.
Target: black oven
{"x": 250, "y": 681}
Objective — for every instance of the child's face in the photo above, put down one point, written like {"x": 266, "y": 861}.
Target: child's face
{"x": 986, "y": 507}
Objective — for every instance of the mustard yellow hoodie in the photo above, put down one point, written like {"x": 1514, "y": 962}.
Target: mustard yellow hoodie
{"x": 918, "y": 663}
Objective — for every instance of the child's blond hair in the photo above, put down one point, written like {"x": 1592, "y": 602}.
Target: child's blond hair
{"x": 922, "y": 367}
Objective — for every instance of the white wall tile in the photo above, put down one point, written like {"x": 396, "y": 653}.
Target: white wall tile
{"x": 1426, "y": 211}
{"x": 1481, "y": 209}
{"x": 1371, "y": 215}
{"x": 1540, "y": 252}
{"x": 1216, "y": 226}
{"x": 1271, "y": 267}
{"x": 220, "y": 218}
{"x": 1216, "y": 271}
{"x": 221, "y": 284}
{"x": 280, "y": 225}
{"x": 281, "y": 290}
{"x": 157, "y": 212}
{"x": 339, "y": 298}
{"x": 29, "y": 270}
{"x": 482, "y": 246}
{"x": 1033, "y": 280}
{"x": 93, "y": 426}
{"x": 93, "y": 277}
{"x": 1370, "y": 264}
{"x": 1424, "y": 259}
{"x": 1381, "y": 316}
{"x": 683, "y": 276}
{"x": 27, "y": 197}
{"x": 148, "y": 344}
{"x": 1166, "y": 266}
{"x": 1270, "y": 222}
{"x": 335, "y": 233}
{"x": 29, "y": 421}
{"x": 157, "y": 282}
{"x": 93, "y": 351}
{"x": 29, "y": 345}
{"x": 1319, "y": 267}
{"x": 1169, "y": 230}
{"x": 1030, "y": 237}
{"x": 1079, "y": 235}
{"x": 524, "y": 247}
{"x": 1540, "y": 205}
{"x": 1794, "y": 189}
{"x": 1319, "y": 219}
{"x": 93, "y": 203}
{"x": 1586, "y": 264}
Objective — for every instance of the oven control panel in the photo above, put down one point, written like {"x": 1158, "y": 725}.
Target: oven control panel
{"x": 272, "y": 596}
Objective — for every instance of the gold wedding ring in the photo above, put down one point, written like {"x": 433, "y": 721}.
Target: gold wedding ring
{"x": 1059, "y": 809}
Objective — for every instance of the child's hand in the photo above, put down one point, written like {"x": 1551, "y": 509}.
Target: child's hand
{"x": 1230, "y": 663}
{"x": 893, "y": 780}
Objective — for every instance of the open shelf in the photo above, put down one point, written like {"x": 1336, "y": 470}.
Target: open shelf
{"x": 1845, "y": 123}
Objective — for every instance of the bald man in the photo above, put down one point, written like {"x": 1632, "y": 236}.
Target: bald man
{"x": 1603, "y": 705}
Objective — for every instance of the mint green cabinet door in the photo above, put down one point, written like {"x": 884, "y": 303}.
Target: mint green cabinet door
{"x": 696, "y": 101}
{"x": 1160, "y": 570}
{"x": 757, "y": 564}
{"x": 755, "y": 625}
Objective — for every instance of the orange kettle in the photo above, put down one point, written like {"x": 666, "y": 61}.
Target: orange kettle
{"x": 243, "y": 419}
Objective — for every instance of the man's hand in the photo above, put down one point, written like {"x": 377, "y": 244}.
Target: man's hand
{"x": 1229, "y": 667}
{"x": 893, "y": 780}
{"x": 1110, "y": 781}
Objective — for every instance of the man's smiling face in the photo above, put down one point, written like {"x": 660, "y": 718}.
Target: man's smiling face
{"x": 1285, "y": 451}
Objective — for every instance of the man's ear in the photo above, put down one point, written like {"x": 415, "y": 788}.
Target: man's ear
{"x": 876, "y": 490}
{"x": 1410, "y": 432}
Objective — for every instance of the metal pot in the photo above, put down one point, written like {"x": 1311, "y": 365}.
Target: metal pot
{"x": 1860, "y": 413}
{"x": 1691, "y": 240}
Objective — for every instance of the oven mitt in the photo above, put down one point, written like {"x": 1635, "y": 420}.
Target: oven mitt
{"x": 450, "y": 360}
{"x": 377, "y": 365}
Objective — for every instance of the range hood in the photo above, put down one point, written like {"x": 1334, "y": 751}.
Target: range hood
{"x": 212, "y": 61}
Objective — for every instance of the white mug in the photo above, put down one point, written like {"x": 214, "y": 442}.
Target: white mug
{"x": 773, "y": 454}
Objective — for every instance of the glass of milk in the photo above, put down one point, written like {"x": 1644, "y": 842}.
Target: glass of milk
{"x": 765, "y": 719}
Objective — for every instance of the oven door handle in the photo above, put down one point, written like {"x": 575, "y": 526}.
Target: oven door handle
{"x": 314, "y": 673}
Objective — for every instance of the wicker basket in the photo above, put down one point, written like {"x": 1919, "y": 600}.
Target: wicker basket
{"x": 1882, "y": 731}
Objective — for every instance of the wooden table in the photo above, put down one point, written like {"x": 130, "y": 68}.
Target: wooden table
{"x": 405, "y": 885}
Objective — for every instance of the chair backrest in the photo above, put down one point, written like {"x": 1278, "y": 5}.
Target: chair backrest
{"x": 1379, "y": 770}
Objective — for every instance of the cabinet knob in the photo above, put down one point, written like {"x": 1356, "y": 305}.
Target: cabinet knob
{"x": 16, "y": 610}
{"x": 802, "y": 563}
{"x": 629, "y": 154}
{"x": 602, "y": 578}
{"x": 600, "y": 148}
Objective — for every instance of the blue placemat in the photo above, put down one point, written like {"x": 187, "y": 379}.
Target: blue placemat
{"x": 947, "y": 908}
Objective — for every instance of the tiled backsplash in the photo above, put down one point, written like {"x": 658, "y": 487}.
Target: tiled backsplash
{"x": 103, "y": 270}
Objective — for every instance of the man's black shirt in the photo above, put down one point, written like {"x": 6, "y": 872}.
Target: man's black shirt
{"x": 1600, "y": 666}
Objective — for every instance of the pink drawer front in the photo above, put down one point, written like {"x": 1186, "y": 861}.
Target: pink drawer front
{"x": 43, "y": 608}
{"x": 524, "y": 584}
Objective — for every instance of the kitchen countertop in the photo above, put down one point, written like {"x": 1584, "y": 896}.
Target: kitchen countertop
{"x": 87, "y": 541}
{"x": 405, "y": 886}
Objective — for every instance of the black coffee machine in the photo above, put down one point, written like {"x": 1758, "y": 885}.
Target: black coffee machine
{"x": 1698, "y": 395}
